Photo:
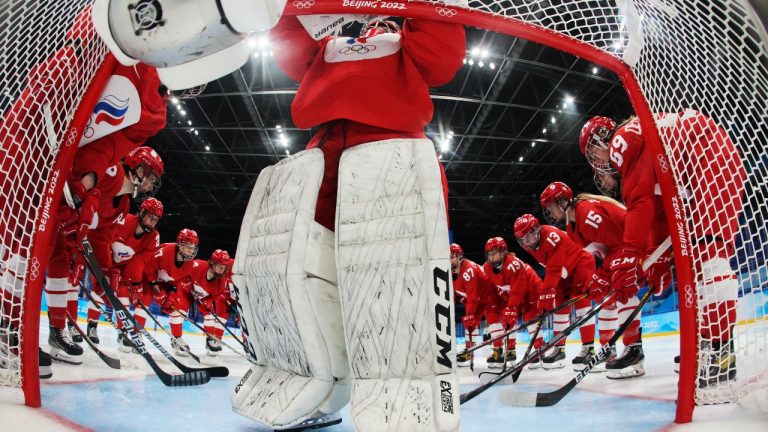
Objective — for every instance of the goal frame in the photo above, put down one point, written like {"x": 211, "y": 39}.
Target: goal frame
{"x": 541, "y": 35}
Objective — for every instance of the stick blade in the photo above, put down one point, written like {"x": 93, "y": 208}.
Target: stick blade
{"x": 189, "y": 379}
{"x": 518, "y": 398}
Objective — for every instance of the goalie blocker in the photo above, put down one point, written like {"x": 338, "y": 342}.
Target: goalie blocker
{"x": 393, "y": 294}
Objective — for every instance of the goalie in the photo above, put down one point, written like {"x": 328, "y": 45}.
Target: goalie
{"x": 378, "y": 255}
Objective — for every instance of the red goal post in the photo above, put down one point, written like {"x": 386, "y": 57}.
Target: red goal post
{"x": 671, "y": 55}
{"x": 52, "y": 72}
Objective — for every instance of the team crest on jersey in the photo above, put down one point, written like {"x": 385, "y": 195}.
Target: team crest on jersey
{"x": 343, "y": 49}
{"x": 118, "y": 107}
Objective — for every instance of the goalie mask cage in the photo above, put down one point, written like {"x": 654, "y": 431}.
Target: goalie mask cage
{"x": 671, "y": 55}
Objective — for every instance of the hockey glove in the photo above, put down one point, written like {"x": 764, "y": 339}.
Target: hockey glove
{"x": 627, "y": 274}
{"x": 137, "y": 293}
{"x": 659, "y": 274}
{"x": 509, "y": 317}
{"x": 470, "y": 321}
{"x": 546, "y": 300}
{"x": 600, "y": 284}
{"x": 89, "y": 214}
{"x": 171, "y": 303}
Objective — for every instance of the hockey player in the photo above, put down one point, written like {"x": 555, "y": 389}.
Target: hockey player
{"x": 210, "y": 290}
{"x": 596, "y": 223}
{"x": 134, "y": 241}
{"x": 471, "y": 282}
{"x": 388, "y": 231}
{"x": 569, "y": 270}
{"x": 100, "y": 191}
{"x": 169, "y": 274}
{"x": 710, "y": 168}
{"x": 519, "y": 287}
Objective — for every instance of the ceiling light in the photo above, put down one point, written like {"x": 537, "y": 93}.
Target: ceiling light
{"x": 471, "y": 62}
{"x": 189, "y": 122}
{"x": 263, "y": 41}
{"x": 533, "y": 144}
{"x": 174, "y": 100}
{"x": 521, "y": 159}
{"x": 544, "y": 130}
{"x": 492, "y": 65}
{"x": 480, "y": 63}
{"x": 617, "y": 44}
{"x": 252, "y": 42}
{"x": 197, "y": 132}
{"x": 284, "y": 140}
{"x": 445, "y": 146}
{"x": 183, "y": 112}
{"x": 484, "y": 53}
{"x": 278, "y": 127}
{"x": 465, "y": 61}
{"x": 475, "y": 51}
{"x": 594, "y": 71}
{"x": 288, "y": 152}
{"x": 207, "y": 148}
{"x": 255, "y": 55}
{"x": 552, "y": 120}
{"x": 569, "y": 100}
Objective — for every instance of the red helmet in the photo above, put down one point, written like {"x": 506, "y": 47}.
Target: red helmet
{"x": 188, "y": 236}
{"x": 595, "y": 132}
{"x": 146, "y": 157}
{"x": 378, "y": 26}
{"x": 494, "y": 243}
{"x": 556, "y": 191}
{"x": 525, "y": 224}
{"x": 147, "y": 183}
{"x": 456, "y": 249}
{"x": 153, "y": 206}
{"x": 220, "y": 256}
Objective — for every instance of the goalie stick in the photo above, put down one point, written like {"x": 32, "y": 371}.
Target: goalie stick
{"x": 517, "y": 398}
{"x": 110, "y": 361}
{"x": 188, "y": 378}
{"x": 216, "y": 372}
{"x": 208, "y": 334}
{"x": 188, "y": 351}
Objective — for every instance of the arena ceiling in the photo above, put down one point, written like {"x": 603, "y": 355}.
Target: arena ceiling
{"x": 505, "y": 127}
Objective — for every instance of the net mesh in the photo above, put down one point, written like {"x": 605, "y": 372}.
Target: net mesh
{"x": 703, "y": 68}
{"x": 49, "y": 54}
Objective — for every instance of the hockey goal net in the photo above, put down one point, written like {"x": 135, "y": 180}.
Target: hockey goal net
{"x": 50, "y": 60}
{"x": 690, "y": 59}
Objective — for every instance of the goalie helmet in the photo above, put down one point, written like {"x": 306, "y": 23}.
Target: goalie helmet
{"x": 187, "y": 243}
{"x": 594, "y": 140}
{"x": 528, "y": 231}
{"x": 555, "y": 194}
{"x": 153, "y": 207}
{"x": 146, "y": 168}
{"x": 379, "y": 26}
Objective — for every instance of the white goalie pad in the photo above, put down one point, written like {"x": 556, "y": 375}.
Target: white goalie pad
{"x": 286, "y": 275}
{"x": 396, "y": 294}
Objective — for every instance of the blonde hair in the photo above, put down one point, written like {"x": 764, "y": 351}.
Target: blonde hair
{"x": 589, "y": 196}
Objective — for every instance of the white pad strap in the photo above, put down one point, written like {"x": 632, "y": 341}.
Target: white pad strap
{"x": 718, "y": 283}
{"x": 286, "y": 275}
{"x": 392, "y": 257}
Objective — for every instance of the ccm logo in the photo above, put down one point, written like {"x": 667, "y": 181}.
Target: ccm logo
{"x": 442, "y": 316}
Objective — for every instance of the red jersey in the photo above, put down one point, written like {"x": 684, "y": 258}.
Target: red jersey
{"x": 163, "y": 267}
{"x": 645, "y": 221}
{"x": 559, "y": 254}
{"x": 336, "y": 71}
{"x": 598, "y": 228}
{"x": 202, "y": 285}
{"x": 473, "y": 284}
{"x": 126, "y": 247}
{"x": 516, "y": 278}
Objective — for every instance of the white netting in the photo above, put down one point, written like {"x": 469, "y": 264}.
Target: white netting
{"x": 49, "y": 54}
{"x": 694, "y": 57}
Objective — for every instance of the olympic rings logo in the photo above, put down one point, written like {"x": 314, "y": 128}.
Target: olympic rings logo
{"x": 357, "y": 49}
{"x": 34, "y": 269}
{"x": 445, "y": 12}
{"x": 303, "y": 4}
{"x": 663, "y": 163}
{"x": 688, "y": 292}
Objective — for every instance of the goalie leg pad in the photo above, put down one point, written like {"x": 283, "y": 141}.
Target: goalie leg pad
{"x": 392, "y": 257}
{"x": 285, "y": 272}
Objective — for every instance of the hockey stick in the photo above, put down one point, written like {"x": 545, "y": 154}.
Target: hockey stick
{"x": 471, "y": 355}
{"x": 516, "y": 375}
{"x": 204, "y": 331}
{"x": 216, "y": 372}
{"x": 188, "y": 378}
{"x": 466, "y": 397}
{"x": 515, "y": 398}
{"x": 188, "y": 351}
{"x": 527, "y": 323}
{"x": 110, "y": 361}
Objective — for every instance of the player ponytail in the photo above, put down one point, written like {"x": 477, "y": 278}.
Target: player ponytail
{"x": 589, "y": 196}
